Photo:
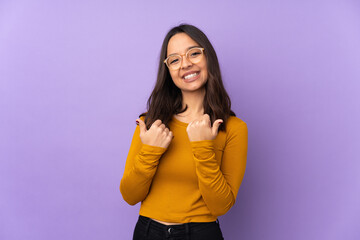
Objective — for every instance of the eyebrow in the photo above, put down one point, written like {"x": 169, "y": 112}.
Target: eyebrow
{"x": 186, "y": 50}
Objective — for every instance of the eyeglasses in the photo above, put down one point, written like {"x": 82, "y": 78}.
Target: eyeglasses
{"x": 194, "y": 55}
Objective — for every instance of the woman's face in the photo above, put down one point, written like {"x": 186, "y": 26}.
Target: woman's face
{"x": 190, "y": 76}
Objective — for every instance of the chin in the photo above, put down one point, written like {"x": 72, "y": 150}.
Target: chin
{"x": 193, "y": 88}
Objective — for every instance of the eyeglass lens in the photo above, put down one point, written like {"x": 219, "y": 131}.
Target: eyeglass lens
{"x": 193, "y": 55}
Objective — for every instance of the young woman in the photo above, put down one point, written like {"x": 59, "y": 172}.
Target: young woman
{"x": 188, "y": 154}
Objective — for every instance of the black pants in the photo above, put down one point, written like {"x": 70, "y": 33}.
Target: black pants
{"x": 148, "y": 229}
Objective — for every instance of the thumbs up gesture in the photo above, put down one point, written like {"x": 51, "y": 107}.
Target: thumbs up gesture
{"x": 158, "y": 135}
{"x": 201, "y": 129}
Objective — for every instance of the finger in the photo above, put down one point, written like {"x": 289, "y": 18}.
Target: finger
{"x": 206, "y": 117}
{"x": 205, "y": 120}
{"x": 142, "y": 125}
{"x": 215, "y": 127}
{"x": 189, "y": 125}
{"x": 157, "y": 123}
{"x": 167, "y": 131}
{"x": 170, "y": 135}
{"x": 162, "y": 126}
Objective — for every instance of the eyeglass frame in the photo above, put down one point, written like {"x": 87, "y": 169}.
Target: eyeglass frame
{"x": 181, "y": 56}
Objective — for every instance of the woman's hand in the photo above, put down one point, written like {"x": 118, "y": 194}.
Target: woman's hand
{"x": 158, "y": 135}
{"x": 201, "y": 129}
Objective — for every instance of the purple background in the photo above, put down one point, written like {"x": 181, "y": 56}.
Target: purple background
{"x": 74, "y": 76}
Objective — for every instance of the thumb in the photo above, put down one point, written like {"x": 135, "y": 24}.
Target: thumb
{"x": 141, "y": 125}
{"x": 215, "y": 126}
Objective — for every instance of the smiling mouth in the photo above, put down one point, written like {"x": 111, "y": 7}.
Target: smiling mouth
{"x": 192, "y": 75}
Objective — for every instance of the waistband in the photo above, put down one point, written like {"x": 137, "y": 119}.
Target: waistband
{"x": 173, "y": 229}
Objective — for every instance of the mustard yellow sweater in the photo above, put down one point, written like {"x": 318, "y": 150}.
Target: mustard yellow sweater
{"x": 189, "y": 181}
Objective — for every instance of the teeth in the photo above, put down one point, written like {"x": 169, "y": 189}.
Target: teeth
{"x": 191, "y": 75}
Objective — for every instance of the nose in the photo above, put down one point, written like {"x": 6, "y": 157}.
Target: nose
{"x": 185, "y": 63}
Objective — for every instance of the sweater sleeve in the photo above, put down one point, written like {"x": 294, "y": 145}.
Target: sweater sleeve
{"x": 140, "y": 167}
{"x": 219, "y": 185}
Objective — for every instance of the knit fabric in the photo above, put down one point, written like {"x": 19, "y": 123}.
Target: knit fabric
{"x": 188, "y": 181}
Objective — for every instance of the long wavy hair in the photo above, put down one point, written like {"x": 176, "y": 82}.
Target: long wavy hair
{"x": 166, "y": 98}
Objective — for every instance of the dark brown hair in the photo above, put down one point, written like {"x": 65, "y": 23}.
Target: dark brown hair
{"x": 166, "y": 98}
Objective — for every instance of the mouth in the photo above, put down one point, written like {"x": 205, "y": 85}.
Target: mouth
{"x": 191, "y": 76}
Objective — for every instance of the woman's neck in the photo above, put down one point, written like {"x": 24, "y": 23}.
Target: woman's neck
{"x": 194, "y": 101}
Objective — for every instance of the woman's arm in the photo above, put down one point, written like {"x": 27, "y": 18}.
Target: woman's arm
{"x": 140, "y": 167}
{"x": 219, "y": 185}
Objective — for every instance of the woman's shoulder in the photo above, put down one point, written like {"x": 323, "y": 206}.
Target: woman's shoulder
{"x": 235, "y": 121}
{"x": 235, "y": 124}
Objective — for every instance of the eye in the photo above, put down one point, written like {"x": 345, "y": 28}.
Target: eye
{"x": 195, "y": 54}
{"x": 174, "y": 61}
